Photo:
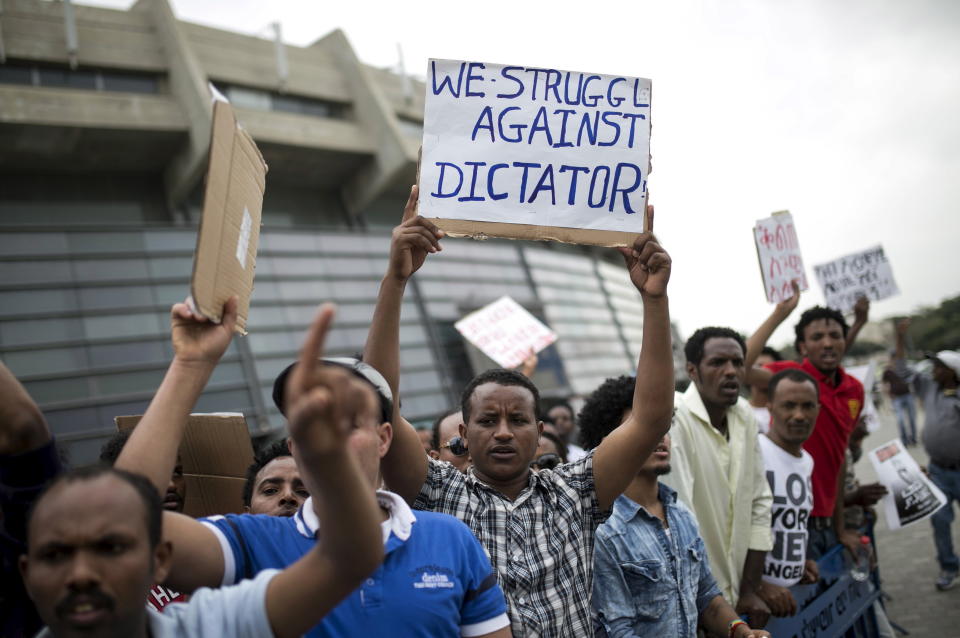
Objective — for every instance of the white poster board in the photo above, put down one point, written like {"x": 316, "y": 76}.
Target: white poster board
{"x": 505, "y": 332}
{"x": 863, "y": 274}
{"x": 867, "y": 375}
{"x": 911, "y": 496}
{"x": 535, "y": 153}
{"x": 778, "y": 251}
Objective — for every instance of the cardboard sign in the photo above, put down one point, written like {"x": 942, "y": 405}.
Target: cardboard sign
{"x": 911, "y": 496}
{"x": 505, "y": 332}
{"x": 864, "y": 274}
{"x": 226, "y": 254}
{"x": 778, "y": 251}
{"x": 215, "y": 453}
{"x": 533, "y": 153}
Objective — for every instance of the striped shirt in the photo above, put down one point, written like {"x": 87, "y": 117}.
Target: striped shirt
{"x": 541, "y": 544}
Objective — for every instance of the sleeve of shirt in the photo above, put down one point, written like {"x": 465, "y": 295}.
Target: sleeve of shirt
{"x": 579, "y": 476}
{"x": 239, "y": 610}
{"x": 761, "y": 537}
{"x": 707, "y": 588}
{"x": 234, "y": 560}
{"x": 484, "y": 608}
{"x": 612, "y": 601}
{"x": 22, "y": 478}
{"x": 442, "y": 483}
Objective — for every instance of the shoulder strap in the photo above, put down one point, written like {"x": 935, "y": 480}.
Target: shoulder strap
{"x": 247, "y": 563}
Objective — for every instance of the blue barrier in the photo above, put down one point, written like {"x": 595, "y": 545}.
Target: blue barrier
{"x": 836, "y": 606}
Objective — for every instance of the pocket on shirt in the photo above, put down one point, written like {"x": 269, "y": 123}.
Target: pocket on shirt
{"x": 646, "y": 580}
{"x": 694, "y": 556}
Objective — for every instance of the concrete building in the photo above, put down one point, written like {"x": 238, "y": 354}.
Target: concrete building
{"x": 104, "y": 128}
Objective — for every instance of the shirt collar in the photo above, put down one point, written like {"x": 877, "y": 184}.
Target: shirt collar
{"x": 400, "y": 522}
{"x": 821, "y": 377}
{"x": 627, "y": 508}
{"x": 694, "y": 401}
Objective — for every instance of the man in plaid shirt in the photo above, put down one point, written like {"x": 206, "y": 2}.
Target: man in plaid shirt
{"x": 538, "y": 527}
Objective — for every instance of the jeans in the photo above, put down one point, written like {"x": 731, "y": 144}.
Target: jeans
{"x": 906, "y": 415}
{"x": 949, "y": 483}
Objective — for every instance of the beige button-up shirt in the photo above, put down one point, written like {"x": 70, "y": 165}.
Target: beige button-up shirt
{"x": 723, "y": 482}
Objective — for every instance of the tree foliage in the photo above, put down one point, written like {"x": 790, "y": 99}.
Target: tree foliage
{"x": 935, "y": 329}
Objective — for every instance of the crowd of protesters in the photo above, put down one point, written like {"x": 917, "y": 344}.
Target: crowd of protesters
{"x": 677, "y": 513}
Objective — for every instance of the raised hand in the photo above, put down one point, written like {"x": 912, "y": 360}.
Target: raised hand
{"x": 861, "y": 310}
{"x": 196, "y": 339}
{"x": 412, "y": 240}
{"x": 787, "y": 306}
{"x": 647, "y": 262}
{"x": 324, "y": 402}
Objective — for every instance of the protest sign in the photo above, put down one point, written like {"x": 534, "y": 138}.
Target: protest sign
{"x": 910, "y": 495}
{"x": 215, "y": 454}
{"x": 778, "y": 251}
{"x": 535, "y": 153}
{"x": 867, "y": 375}
{"x": 864, "y": 274}
{"x": 505, "y": 332}
{"x": 226, "y": 254}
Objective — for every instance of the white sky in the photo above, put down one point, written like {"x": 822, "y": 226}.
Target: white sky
{"x": 845, "y": 113}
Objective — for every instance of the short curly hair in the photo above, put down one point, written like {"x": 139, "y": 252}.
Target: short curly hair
{"x": 694, "y": 347}
{"x": 603, "y": 410}
{"x": 815, "y": 314}
{"x": 435, "y": 441}
{"x": 500, "y": 376}
{"x": 275, "y": 450}
{"x": 110, "y": 451}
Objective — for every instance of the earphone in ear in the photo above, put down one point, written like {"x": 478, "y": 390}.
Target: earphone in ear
{"x": 458, "y": 446}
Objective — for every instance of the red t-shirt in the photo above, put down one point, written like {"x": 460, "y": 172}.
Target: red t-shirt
{"x": 159, "y": 597}
{"x": 840, "y": 407}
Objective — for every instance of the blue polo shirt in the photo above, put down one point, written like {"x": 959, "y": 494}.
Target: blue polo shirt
{"x": 435, "y": 579}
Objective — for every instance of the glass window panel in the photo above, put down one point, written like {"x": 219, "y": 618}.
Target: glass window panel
{"x": 225, "y": 401}
{"x": 129, "y": 83}
{"x": 56, "y": 390}
{"x": 74, "y": 79}
{"x": 74, "y": 420}
{"x": 170, "y": 240}
{"x": 35, "y": 272}
{"x": 32, "y": 243}
{"x": 170, "y": 267}
{"x": 10, "y": 74}
{"x": 26, "y": 302}
{"x": 107, "y": 412}
{"x": 270, "y": 342}
{"x": 129, "y": 382}
{"x": 46, "y": 361}
{"x": 85, "y": 451}
{"x": 267, "y": 316}
{"x": 248, "y": 98}
{"x": 113, "y": 354}
{"x": 110, "y": 269}
{"x": 129, "y": 325}
{"x": 40, "y": 331}
{"x": 105, "y": 242}
{"x": 169, "y": 294}
{"x": 120, "y": 297}
{"x": 280, "y": 242}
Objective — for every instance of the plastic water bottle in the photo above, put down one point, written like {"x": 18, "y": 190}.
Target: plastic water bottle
{"x": 861, "y": 565}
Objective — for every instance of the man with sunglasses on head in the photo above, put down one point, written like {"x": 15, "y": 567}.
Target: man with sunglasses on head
{"x": 537, "y": 527}
{"x": 447, "y": 443}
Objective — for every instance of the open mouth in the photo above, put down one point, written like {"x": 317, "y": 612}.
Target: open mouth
{"x": 172, "y": 501}
{"x": 503, "y": 452}
{"x": 85, "y": 611}
{"x": 730, "y": 387}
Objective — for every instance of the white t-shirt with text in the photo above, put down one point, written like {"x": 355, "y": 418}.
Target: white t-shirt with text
{"x": 789, "y": 479}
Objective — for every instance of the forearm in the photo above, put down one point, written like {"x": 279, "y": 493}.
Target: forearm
{"x": 22, "y": 426}
{"x": 350, "y": 549}
{"x": 761, "y": 336}
{"x": 404, "y": 466}
{"x": 752, "y": 571}
{"x": 718, "y": 615}
{"x": 853, "y": 332}
{"x": 152, "y": 447}
{"x": 653, "y": 395}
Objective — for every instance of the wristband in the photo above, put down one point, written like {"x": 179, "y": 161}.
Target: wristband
{"x": 734, "y": 624}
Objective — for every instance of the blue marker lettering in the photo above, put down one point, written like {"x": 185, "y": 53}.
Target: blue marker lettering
{"x": 571, "y": 198}
{"x": 566, "y": 90}
{"x": 471, "y": 76}
{"x": 523, "y": 180}
{"x": 591, "y": 130}
{"x": 641, "y": 97}
{"x": 494, "y": 169}
{"x": 633, "y": 117}
{"x": 517, "y": 127}
{"x": 473, "y": 183}
{"x": 593, "y": 184}
{"x": 505, "y": 72}
{"x": 552, "y": 84}
{"x": 443, "y": 167}
{"x": 637, "y": 180}
{"x": 610, "y": 97}
{"x": 487, "y": 114}
{"x": 616, "y": 127}
{"x": 586, "y": 87}
{"x": 541, "y": 186}
{"x": 540, "y": 124}
{"x": 446, "y": 81}
{"x": 565, "y": 113}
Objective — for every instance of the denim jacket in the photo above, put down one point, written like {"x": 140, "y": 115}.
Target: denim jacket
{"x": 646, "y": 582}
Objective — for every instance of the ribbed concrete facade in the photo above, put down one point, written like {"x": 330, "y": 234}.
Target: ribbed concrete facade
{"x": 102, "y": 155}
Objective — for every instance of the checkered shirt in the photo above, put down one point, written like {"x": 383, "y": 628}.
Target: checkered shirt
{"x": 541, "y": 544}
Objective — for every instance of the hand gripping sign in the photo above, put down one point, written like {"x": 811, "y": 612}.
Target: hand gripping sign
{"x": 533, "y": 153}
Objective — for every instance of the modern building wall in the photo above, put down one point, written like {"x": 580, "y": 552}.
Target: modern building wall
{"x": 101, "y": 189}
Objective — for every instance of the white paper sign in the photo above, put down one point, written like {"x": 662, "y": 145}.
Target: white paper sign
{"x": 505, "y": 332}
{"x": 911, "y": 496}
{"x": 778, "y": 251}
{"x": 538, "y": 146}
{"x": 864, "y": 274}
{"x": 867, "y": 374}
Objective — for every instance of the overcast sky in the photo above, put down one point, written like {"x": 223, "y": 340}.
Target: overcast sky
{"x": 845, "y": 113}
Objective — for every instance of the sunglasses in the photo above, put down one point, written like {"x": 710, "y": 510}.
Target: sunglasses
{"x": 546, "y": 461}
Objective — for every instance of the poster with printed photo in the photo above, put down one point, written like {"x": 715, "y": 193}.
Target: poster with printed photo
{"x": 911, "y": 496}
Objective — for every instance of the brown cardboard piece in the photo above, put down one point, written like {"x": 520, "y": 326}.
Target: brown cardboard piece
{"x": 483, "y": 230}
{"x": 215, "y": 453}
{"x": 226, "y": 254}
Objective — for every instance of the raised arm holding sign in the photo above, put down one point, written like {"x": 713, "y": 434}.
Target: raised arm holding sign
{"x": 531, "y": 153}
